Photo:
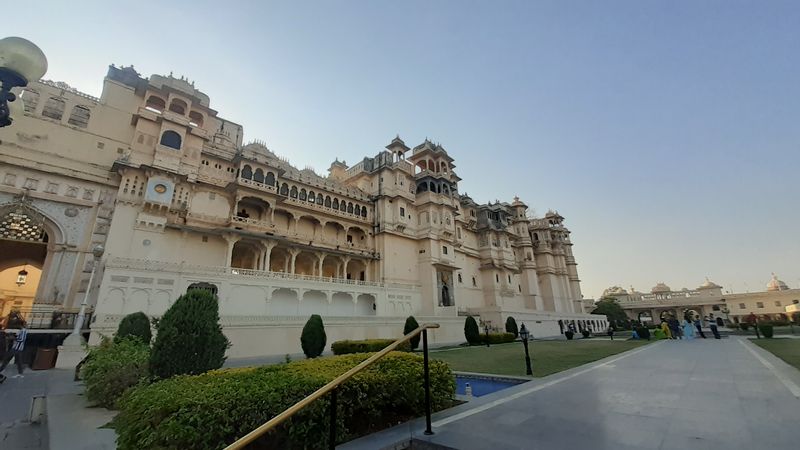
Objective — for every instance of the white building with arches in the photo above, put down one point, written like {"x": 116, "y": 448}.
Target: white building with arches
{"x": 153, "y": 173}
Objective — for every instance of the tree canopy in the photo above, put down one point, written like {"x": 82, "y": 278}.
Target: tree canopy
{"x": 610, "y": 308}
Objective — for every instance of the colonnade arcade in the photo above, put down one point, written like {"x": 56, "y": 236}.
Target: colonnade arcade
{"x": 256, "y": 213}
{"x": 272, "y": 256}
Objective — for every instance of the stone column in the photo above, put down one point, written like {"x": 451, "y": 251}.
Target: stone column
{"x": 294, "y": 253}
{"x": 321, "y": 257}
{"x": 268, "y": 246}
{"x": 232, "y": 239}
{"x": 345, "y": 261}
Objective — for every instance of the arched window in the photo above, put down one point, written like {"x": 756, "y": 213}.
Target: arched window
{"x": 155, "y": 104}
{"x": 178, "y": 106}
{"x": 350, "y": 208}
{"x": 312, "y": 197}
{"x": 293, "y": 192}
{"x": 258, "y": 175}
{"x": 328, "y": 201}
{"x": 284, "y": 189}
{"x": 474, "y": 282}
{"x": 422, "y": 187}
{"x": 342, "y": 206}
{"x": 30, "y": 98}
{"x": 336, "y": 203}
{"x": 303, "y": 195}
{"x": 357, "y": 210}
{"x": 54, "y": 108}
{"x": 247, "y": 172}
{"x": 195, "y": 119}
{"x": 79, "y": 116}
{"x": 171, "y": 139}
{"x": 460, "y": 280}
{"x": 269, "y": 180}
{"x": 320, "y": 199}
{"x": 364, "y": 212}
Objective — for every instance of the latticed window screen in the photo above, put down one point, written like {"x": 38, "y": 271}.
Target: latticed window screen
{"x": 21, "y": 227}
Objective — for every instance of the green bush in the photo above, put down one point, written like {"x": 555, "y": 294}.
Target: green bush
{"x": 586, "y": 333}
{"x": 137, "y": 325}
{"x": 498, "y": 338}
{"x": 313, "y": 338}
{"x": 744, "y": 326}
{"x": 511, "y": 326}
{"x": 189, "y": 339}
{"x": 114, "y": 367}
{"x": 411, "y": 325}
{"x": 569, "y": 335}
{"x": 210, "y": 411}
{"x": 766, "y": 329}
{"x": 471, "y": 331}
{"x": 366, "y": 345}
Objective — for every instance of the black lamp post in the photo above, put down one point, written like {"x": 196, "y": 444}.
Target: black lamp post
{"x": 21, "y": 61}
{"x": 486, "y": 329}
{"x": 524, "y": 334}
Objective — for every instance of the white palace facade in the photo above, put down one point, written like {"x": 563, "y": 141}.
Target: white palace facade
{"x": 150, "y": 171}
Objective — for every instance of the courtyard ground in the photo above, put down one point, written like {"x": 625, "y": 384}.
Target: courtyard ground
{"x": 699, "y": 394}
{"x": 547, "y": 357}
{"x": 785, "y": 349}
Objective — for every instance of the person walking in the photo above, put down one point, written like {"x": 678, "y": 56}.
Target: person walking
{"x": 712, "y": 323}
{"x": 688, "y": 328}
{"x": 610, "y": 332}
{"x": 16, "y": 352}
{"x": 674, "y": 327}
{"x": 699, "y": 326}
{"x": 665, "y": 329}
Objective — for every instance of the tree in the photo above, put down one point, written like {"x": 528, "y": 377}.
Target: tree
{"x": 411, "y": 325}
{"x": 471, "y": 331}
{"x": 511, "y": 326}
{"x": 313, "y": 338}
{"x": 189, "y": 338}
{"x": 135, "y": 324}
{"x": 610, "y": 308}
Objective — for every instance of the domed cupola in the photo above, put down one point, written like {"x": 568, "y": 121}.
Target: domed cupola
{"x": 660, "y": 288}
{"x": 708, "y": 285}
{"x": 776, "y": 285}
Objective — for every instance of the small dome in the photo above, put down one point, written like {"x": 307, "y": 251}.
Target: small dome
{"x": 660, "y": 287}
{"x": 614, "y": 291}
{"x": 709, "y": 285}
{"x": 776, "y": 285}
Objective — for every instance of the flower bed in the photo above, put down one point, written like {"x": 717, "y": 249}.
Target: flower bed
{"x": 211, "y": 410}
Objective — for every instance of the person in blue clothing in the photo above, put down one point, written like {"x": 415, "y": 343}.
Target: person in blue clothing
{"x": 16, "y": 352}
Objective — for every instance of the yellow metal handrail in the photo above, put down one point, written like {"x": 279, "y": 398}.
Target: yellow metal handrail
{"x": 328, "y": 388}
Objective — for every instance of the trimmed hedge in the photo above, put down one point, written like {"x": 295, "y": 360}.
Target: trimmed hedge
{"x": 210, "y": 411}
{"x": 498, "y": 338}
{"x": 767, "y": 330}
{"x": 313, "y": 337}
{"x": 366, "y": 345}
{"x": 471, "y": 331}
{"x": 511, "y": 326}
{"x": 189, "y": 338}
{"x": 113, "y": 368}
{"x": 137, "y": 325}
{"x": 411, "y": 325}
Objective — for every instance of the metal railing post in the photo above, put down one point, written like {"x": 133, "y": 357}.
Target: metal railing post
{"x": 332, "y": 436}
{"x": 427, "y": 381}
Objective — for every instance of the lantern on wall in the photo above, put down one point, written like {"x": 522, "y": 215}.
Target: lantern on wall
{"x": 22, "y": 277}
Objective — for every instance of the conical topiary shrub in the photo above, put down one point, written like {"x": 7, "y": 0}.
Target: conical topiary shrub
{"x": 471, "y": 331}
{"x": 411, "y": 325}
{"x": 313, "y": 338}
{"x": 189, "y": 338}
{"x": 135, "y": 324}
{"x": 511, "y": 326}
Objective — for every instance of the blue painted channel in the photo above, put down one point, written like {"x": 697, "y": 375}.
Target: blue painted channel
{"x": 483, "y": 385}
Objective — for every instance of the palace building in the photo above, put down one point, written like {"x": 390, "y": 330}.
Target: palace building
{"x": 152, "y": 173}
{"x": 777, "y": 302}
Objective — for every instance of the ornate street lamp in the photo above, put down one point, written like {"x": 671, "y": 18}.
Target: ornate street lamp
{"x": 21, "y": 62}
{"x": 524, "y": 334}
{"x": 22, "y": 277}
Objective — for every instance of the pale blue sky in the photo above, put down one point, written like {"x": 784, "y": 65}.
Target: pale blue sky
{"x": 666, "y": 132}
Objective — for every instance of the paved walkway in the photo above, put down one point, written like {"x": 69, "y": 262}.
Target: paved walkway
{"x": 15, "y": 403}
{"x": 700, "y": 394}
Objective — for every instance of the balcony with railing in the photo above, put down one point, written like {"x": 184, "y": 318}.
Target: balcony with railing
{"x": 256, "y": 185}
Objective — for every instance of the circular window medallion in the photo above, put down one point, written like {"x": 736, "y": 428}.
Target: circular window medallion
{"x": 160, "y": 188}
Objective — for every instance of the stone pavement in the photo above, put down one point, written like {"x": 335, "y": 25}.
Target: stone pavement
{"x": 15, "y": 403}
{"x": 700, "y": 394}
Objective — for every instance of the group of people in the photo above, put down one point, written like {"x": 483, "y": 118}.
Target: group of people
{"x": 691, "y": 327}
{"x": 12, "y": 347}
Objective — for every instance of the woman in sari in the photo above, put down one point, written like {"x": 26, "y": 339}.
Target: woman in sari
{"x": 688, "y": 328}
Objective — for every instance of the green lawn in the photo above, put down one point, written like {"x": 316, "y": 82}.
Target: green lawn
{"x": 547, "y": 357}
{"x": 785, "y": 349}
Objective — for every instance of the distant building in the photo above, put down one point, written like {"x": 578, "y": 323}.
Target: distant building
{"x": 777, "y": 302}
